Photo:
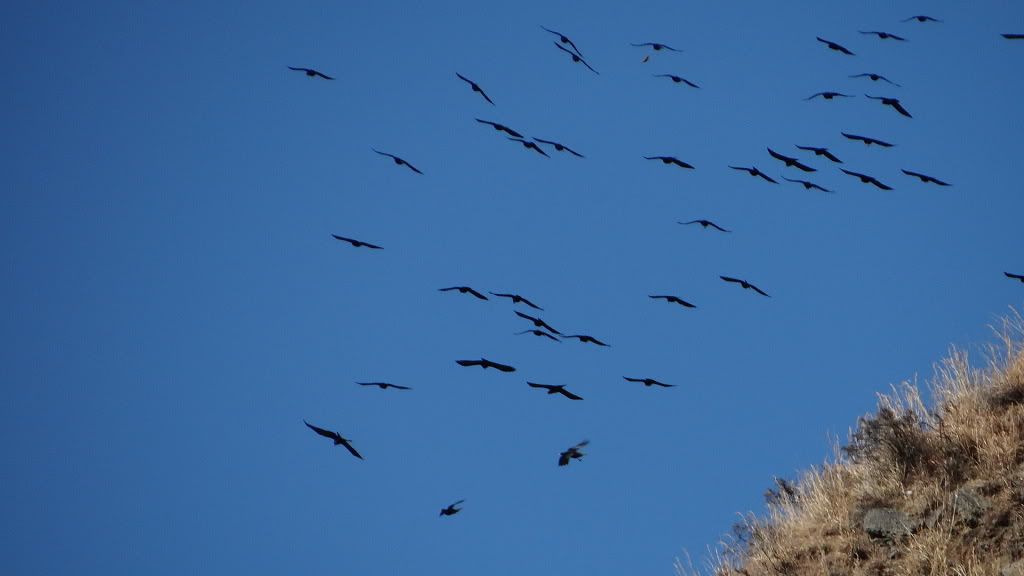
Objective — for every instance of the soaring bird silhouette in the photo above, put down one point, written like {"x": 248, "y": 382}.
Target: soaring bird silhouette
{"x": 867, "y": 141}
{"x": 356, "y": 243}
{"x": 384, "y": 385}
{"x": 530, "y": 146}
{"x": 670, "y": 160}
{"x": 744, "y": 284}
{"x": 648, "y": 382}
{"x": 585, "y": 339}
{"x": 834, "y": 46}
{"x": 657, "y": 47}
{"x": 311, "y": 72}
{"x": 821, "y": 152}
{"x": 672, "y": 300}
{"x": 573, "y": 453}
{"x": 753, "y": 171}
{"x": 397, "y": 160}
{"x": 791, "y": 162}
{"x": 677, "y": 79}
{"x": 476, "y": 88}
{"x": 576, "y": 57}
{"x": 553, "y": 389}
{"x": 537, "y": 332}
{"x": 337, "y": 438}
{"x": 829, "y": 95}
{"x": 1013, "y": 36}
{"x": 463, "y": 290}
{"x": 451, "y": 509}
{"x": 538, "y": 322}
{"x": 921, "y": 18}
{"x": 485, "y": 364}
{"x": 517, "y": 299}
{"x": 564, "y": 40}
{"x": 867, "y": 179}
{"x": 894, "y": 102}
{"x": 808, "y": 185}
{"x": 1013, "y": 276}
{"x": 883, "y": 35}
{"x": 560, "y": 147}
{"x": 500, "y": 128}
{"x": 704, "y": 224}
{"x": 924, "y": 177}
{"x": 874, "y": 77}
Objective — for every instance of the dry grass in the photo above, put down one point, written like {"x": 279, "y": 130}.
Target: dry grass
{"x": 914, "y": 459}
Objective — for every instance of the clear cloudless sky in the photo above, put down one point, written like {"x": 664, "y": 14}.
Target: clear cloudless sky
{"x": 175, "y": 306}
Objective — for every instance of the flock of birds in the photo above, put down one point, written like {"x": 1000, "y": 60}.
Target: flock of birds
{"x": 541, "y": 328}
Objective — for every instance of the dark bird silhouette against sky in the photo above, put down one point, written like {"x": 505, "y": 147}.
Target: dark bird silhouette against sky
{"x": 517, "y": 299}
{"x": 451, "y": 509}
{"x": 337, "y": 438}
{"x": 1013, "y": 36}
{"x": 356, "y": 243}
{"x": 656, "y": 46}
{"x": 476, "y": 88}
{"x": 311, "y": 72}
{"x": 398, "y": 160}
{"x": 541, "y": 333}
{"x": 648, "y": 382}
{"x": 573, "y": 453}
{"x": 576, "y": 57}
{"x": 384, "y": 385}
{"x": 670, "y": 160}
{"x": 560, "y": 147}
{"x": 500, "y": 128}
{"x": 874, "y": 77}
{"x": 585, "y": 339}
{"x": 753, "y": 171}
{"x": 746, "y": 285}
{"x": 564, "y": 40}
{"x": 530, "y": 146}
{"x": 833, "y": 46}
{"x": 672, "y": 300}
{"x": 828, "y": 95}
{"x": 868, "y": 141}
{"x": 867, "y": 179}
{"x": 463, "y": 290}
{"x": 791, "y": 162}
{"x": 921, "y": 18}
{"x": 924, "y": 177}
{"x": 555, "y": 389}
{"x": 485, "y": 364}
{"x": 808, "y": 185}
{"x": 893, "y": 102}
{"x": 1013, "y": 276}
{"x": 883, "y": 35}
{"x": 538, "y": 322}
{"x": 821, "y": 152}
{"x": 704, "y": 224}
{"x": 676, "y": 79}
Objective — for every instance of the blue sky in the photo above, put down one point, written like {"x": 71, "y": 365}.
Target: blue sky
{"x": 176, "y": 305}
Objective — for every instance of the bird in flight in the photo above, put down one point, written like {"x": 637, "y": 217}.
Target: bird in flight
{"x": 501, "y": 128}
{"x": 808, "y": 185}
{"x": 384, "y": 385}
{"x": 564, "y": 40}
{"x": 894, "y": 102}
{"x": 821, "y": 152}
{"x": 791, "y": 162}
{"x": 538, "y": 322}
{"x": 530, "y": 146}
{"x": 397, "y": 160}
{"x": 670, "y": 160}
{"x": 451, "y": 509}
{"x": 672, "y": 300}
{"x": 828, "y": 95}
{"x": 924, "y": 177}
{"x": 517, "y": 299}
{"x": 875, "y": 77}
{"x": 476, "y": 88}
{"x": 585, "y": 339}
{"x": 553, "y": 389}
{"x": 883, "y": 35}
{"x": 834, "y": 46}
{"x": 356, "y": 243}
{"x": 485, "y": 364}
{"x": 657, "y": 47}
{"x": 921, "y": 18}
{"x": 573, "y": 453}
{"x": 337, "y": 438}
{"x": 1013, "y": 276}
{"x": 704, "y": 224}
{"x": 560, "y": 147}
{"x": 677, "y": 79}
{"x": 1013, "y": 36}
{"x": 867, "y": 179}
{"x": 311, "y": 72}
{"x": 536, "y": 332}
{"x": 744, "y": 284}
{"x": 753, "y": 171}
{"x": 648, "y": 382}
{"x": 867, "y": 141}
{"x": 464, "y": 290}
{"x": 576, "y": 57}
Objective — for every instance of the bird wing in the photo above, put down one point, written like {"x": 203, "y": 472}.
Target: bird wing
{"x": 543, "y": 333}
{"x": 385, "y": 154}
{"x": 804, "y": 167}
{"x": 484, "y": 94}
{"x": 488, "y": 122}
{"x": 660, "y": 297}
{"x": 411, "y": 167}
{"x": 731, "y": 279}
{"x": 688, "y": 83}
{"x": 915, "y": 174}
{"x": 527, "y": 316}
{"x": 530, "y": 304}
{"x": 1014, "y": 276}
{"x": 544, "y": 386}
{"x": 778, "y": 156}
{"x": 568, "y": 394}
{"x": 351, "y": 449}
{"x": 717, "y": 227}
{"x": 501, "y": 367}
{"x": 642, "y": 44}
{"x": 573, "y": 152}
{"x": 467, "y": 80}
{"x": 758, "y": 290}
{"x": 852, "y": 173}
{"x": 548, "y": 326}
{"x": 448, "y": 289}
{"x": 879, "y": 184}
{"x": 477, "y": 294}
{"x": 563, "y": 458}
{"x": 399, "y": 387}
{"x": 469, "y": 362}
{"x": 323, "y": 432}
{"x": 899, "y": 108}
{"x": 831, "y": 157}
{"x": 343, "y": 239}
{"x": 766, "y": 177}
{"x": 681, "y": 164}
{"x": 322, "y": 75}
{"x": 589, "y": 66}
{"x": 662, "y": 384}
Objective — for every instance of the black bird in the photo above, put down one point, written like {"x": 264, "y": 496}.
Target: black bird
{"x": 670, "y": 160}
{"x": 834, "y": 46}
{"x": 311, "y": 73}
{"x": 753, "y": 171}
{"x": 384, "y": 385}
{"x": 451, "y": 509}
{"x": 676, "y": 79}
{"x": 464, "y": 290}
{"x": 476, "y": 88}
{"x": 867, "y": 141}
{"x": 538, "y": 322}
{"x": 397, "y": 160}
{"x": 585, "y": 339}
{"x": 924, "y": 177}
{"x": 564, "y": 40}
{"x": 516, "y": 299}
{"x": 648, "y": 382}
{"x": 894, "y": 102}
{"x": 672, "y": 299}
{"x": 337, "y": 438}
{"x": 828, "y": 95}
{"x": 745, "y": 284}
{"x": 356, "y": 243}
{"x": 485, "y": 364}
{"x": 536, "y": 332}
{"x": 553, "y": 389}
{"x": 501, "y": 128}
{"x": 874, "y": 77}
{"x": 921, "y": 18}
{"x": 656, "y": 46}
{"x": 1014, "y": 36}
{"x": 792, "y": 162}
{"x": 867, "y": 179}
{"x": 1013, "y": 276}
{"x": 573, "y": 453}
{"x": 883, "y": 35}
{"x": 808, "y": 185}
{"x": 576, "y": 57}
{"x": 530, "y": 146}
{"x": 821, "y": 152}
{"x": 704, "y": 224}
{"x": 560, "y": 147}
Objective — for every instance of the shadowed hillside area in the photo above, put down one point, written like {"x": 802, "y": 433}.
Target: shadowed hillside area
{"x": 924, "y": 486}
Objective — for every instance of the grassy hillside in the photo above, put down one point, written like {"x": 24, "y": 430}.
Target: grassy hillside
{"x": 918, "y": 490}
